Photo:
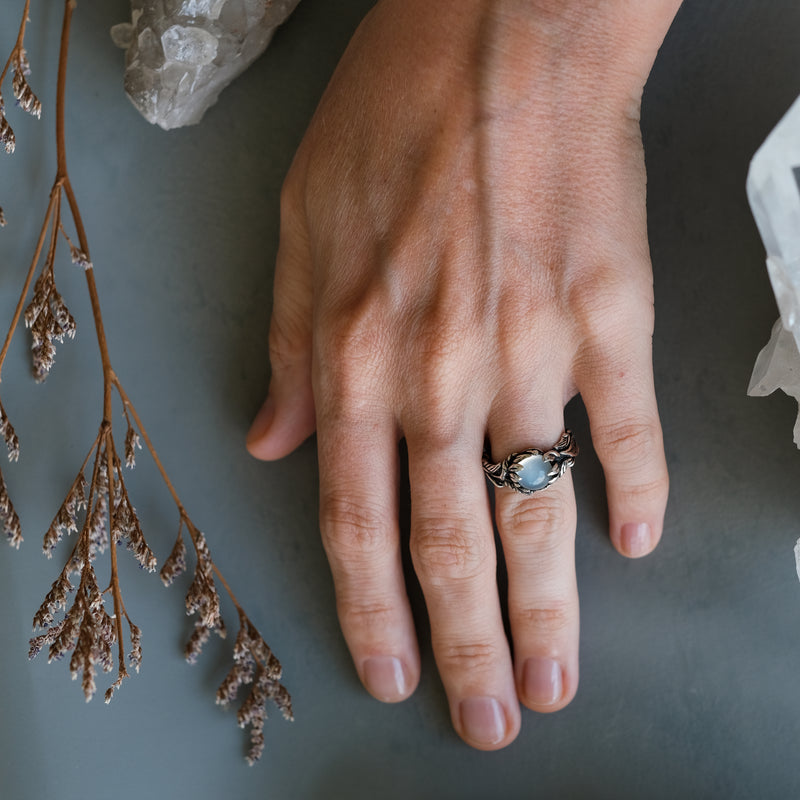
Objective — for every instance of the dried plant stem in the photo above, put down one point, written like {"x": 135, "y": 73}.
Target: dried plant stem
{"x": 63, "y": 178}
{"x": 20, "y": 39}
{"x": 115, "y": 589}
{"x": 109, "y": 518}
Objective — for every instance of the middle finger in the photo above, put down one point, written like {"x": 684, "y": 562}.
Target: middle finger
{"x": 452, "y": 546}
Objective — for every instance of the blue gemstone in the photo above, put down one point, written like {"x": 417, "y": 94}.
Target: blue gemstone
{"x": 532, "y": 472}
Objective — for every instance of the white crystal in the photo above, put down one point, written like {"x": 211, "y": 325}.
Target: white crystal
{"x": 182, "y": 53}
{"x": 188, "y": 45}
{"x": 210, "y": 9}
{"x": 797, "y": 557}
{"x": 778, "y": 367}
{"x": 773, "y": 189}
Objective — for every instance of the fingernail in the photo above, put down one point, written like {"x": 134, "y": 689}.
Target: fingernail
{"x": 541, "y": 681}
{"x": 385, "y": 678}
{"x": 483, "y": 720}
{"x": 635, "y": 539}
{"x": 262, "y": 420}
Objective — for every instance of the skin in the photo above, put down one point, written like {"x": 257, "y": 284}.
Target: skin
{"x": 464, "y": 248}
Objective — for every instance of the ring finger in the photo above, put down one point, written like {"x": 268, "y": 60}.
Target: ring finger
{"x": 538, "y": 536}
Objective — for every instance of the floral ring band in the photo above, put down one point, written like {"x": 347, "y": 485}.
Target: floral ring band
{"x": 532, "y": 470}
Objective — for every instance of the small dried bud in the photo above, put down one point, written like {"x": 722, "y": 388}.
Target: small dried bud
{"x": 79, "y": 258}
{"x": 114, "y": 686}
{"x": 23, "y": 93}
{"x": 56, "y": 599}
{"x": 68, "y": 633}
{"x": 81, "y": 484}
{"x": 98, "y": 528}
{"x": 132, "y": 442}
{"x": 62, "y": 317}
{"x": 43, "y": 358}
{"x": 229, "y": 687}
{"x": 135, "y": 655}
{"x": 36, "y": 644}
{"x": 256, "y": 741}
{"x": 196, "y": 641}
{"x": 7, "y": 138}
{"x": 2, "y": 218}
{"x": 175, "y": 563}
{"x": 10, "y": 437}
{"x": 126, "y": 527}
{"x": 41, "y": 294}
{"x": 283, "y": 700}
{"x": 9, "y": 518}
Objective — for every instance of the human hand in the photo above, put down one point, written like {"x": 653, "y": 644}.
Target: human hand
{"x": 464, "y": 248}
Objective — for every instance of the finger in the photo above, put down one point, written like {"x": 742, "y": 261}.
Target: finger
{"x": 617, "y": 388}
{"x": 538, "y": 537}
{"x": 452, "y": 546}
{"x": 359, "y": 523}
{"x": 287, "y": 417}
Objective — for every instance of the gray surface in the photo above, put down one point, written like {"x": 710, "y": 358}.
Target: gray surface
{"x": 690, "y": 659}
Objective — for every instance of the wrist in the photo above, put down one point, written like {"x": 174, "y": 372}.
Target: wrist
{"x": 580, "y": 56}
{"x": 602, "y": 48}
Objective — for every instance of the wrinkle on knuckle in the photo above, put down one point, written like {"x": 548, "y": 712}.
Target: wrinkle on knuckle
{"x": 445, "y": 552}
{"x": 544, "y": 622}
{"x": 654, "y": 491}
{"x": 353, "y": 529}
{"x": 356, "y": 612}
{"x": 537, "y": 520}
{"x": 467, "y": 657}
{"x": 628, "y": 444}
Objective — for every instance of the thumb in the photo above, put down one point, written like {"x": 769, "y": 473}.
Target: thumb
{"x": 287, "y": 417}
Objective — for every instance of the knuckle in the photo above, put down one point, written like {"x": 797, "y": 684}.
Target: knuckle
{"x": 353, "y": 529}
{"x": 445, "y": 552}
{"x": 469, "y": 657}
{"x": 608, "y": 299}
{"x": 644, "y": 493}
{"x": 546, "y": 622}
{"x": 631, "y": 442}
{"x": 351, "y": 348}
{"x": 538, "y": 520}
{"x": 360, "y": 613}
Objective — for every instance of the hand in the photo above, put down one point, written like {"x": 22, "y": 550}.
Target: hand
{"x": 463, "y": 248}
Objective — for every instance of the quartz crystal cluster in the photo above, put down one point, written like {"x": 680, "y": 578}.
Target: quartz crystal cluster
{"x": 773, "y": 188}
{"x": 182, "y": 53}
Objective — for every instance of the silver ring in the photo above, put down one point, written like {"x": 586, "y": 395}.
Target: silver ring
{"x": 532, "y": 470}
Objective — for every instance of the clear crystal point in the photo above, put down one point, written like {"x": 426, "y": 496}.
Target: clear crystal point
{"x": 180, "y": 54}
{"x": 773, "y": 189}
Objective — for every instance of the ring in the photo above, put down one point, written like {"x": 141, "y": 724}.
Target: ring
{"x": 532, "y": 470}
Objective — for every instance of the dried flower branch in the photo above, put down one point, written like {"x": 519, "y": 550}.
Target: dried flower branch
{"x": 98, "y": 509}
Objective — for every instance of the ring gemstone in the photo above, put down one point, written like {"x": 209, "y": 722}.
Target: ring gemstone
{"x": 532, "y": 472}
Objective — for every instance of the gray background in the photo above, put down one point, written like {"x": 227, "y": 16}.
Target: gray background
{"x": 690, "y": 659}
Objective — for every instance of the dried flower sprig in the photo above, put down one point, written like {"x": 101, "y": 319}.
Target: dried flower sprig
{"x": 108, "y": 519}
{"x": 26, "y": 99}
{"x": 254, "y": 664}
{"x": 8, "y": 516}
{"x": 99, "y": 510}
